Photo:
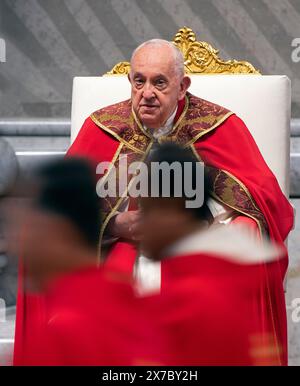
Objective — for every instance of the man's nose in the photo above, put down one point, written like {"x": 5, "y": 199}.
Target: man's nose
{"x": 148, "y": 92}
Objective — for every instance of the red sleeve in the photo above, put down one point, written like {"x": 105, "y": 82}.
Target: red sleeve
{"x": 93, "y": 143}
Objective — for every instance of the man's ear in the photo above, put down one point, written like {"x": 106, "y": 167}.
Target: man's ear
{"x": 184, "y": 85}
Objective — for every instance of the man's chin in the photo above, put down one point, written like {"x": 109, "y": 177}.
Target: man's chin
{"x": 150, "y": 121}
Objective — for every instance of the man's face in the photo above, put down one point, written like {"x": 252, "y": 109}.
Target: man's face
{"x": 47, "y": 243}
{"x": 156, "y": 86}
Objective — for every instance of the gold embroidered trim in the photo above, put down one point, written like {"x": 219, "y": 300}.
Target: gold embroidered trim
{"x": 199, "y": 135}
{"x": 243, "y": 187}
{"x": 142, "y": 135}
{"x": 105, "y": 128}
{"x": 112, "y": 163}
{"x": 140, "y": 126}
{"x": 115, "y": 208}
{"x": 196, "y": 154}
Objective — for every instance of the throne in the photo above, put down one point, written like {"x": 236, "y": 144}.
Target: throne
{"x": 262, "y": 101}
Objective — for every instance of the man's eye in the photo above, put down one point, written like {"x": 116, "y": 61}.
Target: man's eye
{"x": 160, "y": 83}
{"x": 138, "y": 82}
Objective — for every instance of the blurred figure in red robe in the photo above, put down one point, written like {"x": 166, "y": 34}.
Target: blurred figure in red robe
{"x": 212, "y": 276}
{"x": 91, "y": 316}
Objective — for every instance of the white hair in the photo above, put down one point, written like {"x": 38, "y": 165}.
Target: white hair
{"x": 177, "y": 54}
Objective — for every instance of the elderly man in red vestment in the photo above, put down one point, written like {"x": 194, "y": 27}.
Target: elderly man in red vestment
{"x": 161, "y": 109}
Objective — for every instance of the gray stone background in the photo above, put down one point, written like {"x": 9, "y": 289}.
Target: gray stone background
{"x": 48, "y": 42}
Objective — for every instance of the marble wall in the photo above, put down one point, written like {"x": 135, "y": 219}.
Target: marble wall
{"x": 50, "y": 42}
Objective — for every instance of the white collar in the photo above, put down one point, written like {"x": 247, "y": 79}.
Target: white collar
{"x": 233, "y": 242}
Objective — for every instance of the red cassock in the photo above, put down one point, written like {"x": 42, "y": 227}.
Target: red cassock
{"x": 30, "y": 318}
{"x": 94, "y": 319}
{"x": 240, "y": 179}
{"x": 205, "y": 312}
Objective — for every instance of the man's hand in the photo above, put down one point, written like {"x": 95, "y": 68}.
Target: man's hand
{"x": 126, "y": 225}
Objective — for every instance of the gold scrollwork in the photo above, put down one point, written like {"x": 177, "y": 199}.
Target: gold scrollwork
{"x": 202, "y": 58}
{"x": 199, "y": 58}
{"x": 121, "y": 68}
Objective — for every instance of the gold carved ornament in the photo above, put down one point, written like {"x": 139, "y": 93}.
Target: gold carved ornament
{"x": 199, "y": 58}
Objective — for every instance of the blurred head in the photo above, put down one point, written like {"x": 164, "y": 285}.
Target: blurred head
{"x": 167, "y": 219}
{"x": 67, "y": 188}
{"x": 60, "y": 229}
{"x": 157, "y": 81}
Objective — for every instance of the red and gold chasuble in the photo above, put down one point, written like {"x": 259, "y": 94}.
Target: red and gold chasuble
{"x": 240, "y": 178}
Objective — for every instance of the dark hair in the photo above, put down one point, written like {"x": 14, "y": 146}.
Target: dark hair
{"x": 171, "y": 152}
{"x": 68, "y": 187}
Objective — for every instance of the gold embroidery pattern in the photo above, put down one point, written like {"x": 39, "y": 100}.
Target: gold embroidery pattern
{"x": 230, "y": 191}
{"x": 110, "y": 205}
{"x": 201, "y": 117}
{"x": 119, "y": 121}
{"x": 197, "y": 119}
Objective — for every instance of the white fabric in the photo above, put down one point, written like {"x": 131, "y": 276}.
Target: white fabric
{"x": 234, "y": 243}
{"x": 263, "y": 102}
{"x": 220, "y": 212}
{"x": 147, "y": 274}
